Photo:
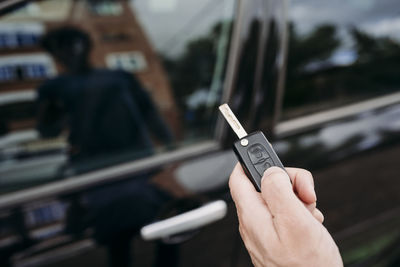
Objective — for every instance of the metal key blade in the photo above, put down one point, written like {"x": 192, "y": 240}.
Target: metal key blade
{"x": 232, "y": 120}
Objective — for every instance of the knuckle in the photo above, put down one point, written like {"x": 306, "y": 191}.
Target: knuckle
{"x": 319, "y": 215}
{"x": 240, "y": 229}
{"x": 307, "y": 173}
{"x": 307, "y": 176}
{"x": 311, "y": 207}
{"x": 303, "y": 173}
{"x": 243, "y": 233}
{"x": 230, "y": 182}
{"x": 232, "y": 189}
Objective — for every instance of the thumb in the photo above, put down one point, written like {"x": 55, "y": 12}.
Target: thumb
{"x": 277, "y": 192}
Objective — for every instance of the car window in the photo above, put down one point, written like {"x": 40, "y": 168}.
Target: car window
{"x": 340, "y": 52}
{"x": 89, "y": 84}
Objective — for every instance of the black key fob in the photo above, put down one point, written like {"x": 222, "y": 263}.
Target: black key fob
{"x": 256, "y": 155}
{"x": 253, "y": 150}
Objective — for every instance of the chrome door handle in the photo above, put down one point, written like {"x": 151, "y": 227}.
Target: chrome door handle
{"x": 187, "y": 221}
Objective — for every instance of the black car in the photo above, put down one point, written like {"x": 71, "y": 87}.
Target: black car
{"x": 109, "y": 122}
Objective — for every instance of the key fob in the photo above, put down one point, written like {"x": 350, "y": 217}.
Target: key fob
{"x": 256, "y": 155}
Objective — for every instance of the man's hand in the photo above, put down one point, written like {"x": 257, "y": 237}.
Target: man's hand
{"x": 281, "y": 226}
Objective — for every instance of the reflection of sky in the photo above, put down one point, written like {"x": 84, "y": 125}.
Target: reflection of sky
{"x": 378, "y": 18}
{"x": 341, "y": 57}
{"x": 197, "y": 98}
{"x": 375, "y": 17}
{"x": 171, "y": 23}
{"x": 384, "y": 27}
{"x": 344, "y": 57}
{"x": 369, "y": 126}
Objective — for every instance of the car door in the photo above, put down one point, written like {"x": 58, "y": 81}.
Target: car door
{"x": 187, "y": 58}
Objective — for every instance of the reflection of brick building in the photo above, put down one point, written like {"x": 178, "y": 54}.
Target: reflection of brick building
{"x": 118, "y": 42}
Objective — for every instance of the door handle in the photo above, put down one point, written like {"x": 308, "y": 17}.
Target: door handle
{"x": 187, "y": 221}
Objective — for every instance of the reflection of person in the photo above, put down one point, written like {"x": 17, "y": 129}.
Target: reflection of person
{"x": 276, "y": 227}
{"x": 108, "y": 113}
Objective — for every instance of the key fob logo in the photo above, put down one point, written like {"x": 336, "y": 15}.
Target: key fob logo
{"x": 260, "y": 158}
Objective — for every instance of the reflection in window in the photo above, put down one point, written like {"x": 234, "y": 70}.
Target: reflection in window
{"x": 105, "y": 7}
{"x": 19, "y": 35}
{"x": 340, "y": 52}
{"x": 194, "y": 55}
{"x": 129, "y": 61}
{"x": 26, "y": 67}
{"x": 96, "y": 83}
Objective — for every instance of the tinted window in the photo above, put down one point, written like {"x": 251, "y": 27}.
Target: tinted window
{"x": 341, "y": 52}
{"x": 89, "y": 84}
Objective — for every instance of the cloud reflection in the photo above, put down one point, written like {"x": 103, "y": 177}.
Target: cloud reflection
{"x": 374, "y": 17}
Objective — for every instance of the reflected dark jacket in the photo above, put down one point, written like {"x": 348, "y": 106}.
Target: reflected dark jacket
{"x": 107, "y": 111}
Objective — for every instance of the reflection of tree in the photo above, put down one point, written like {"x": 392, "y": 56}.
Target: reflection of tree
{"x": 378, "y": 65}
{"x": 372, "y": 49}
{"x": 194, "y": 69}
{"x": 318, "y": 45}
{"x": 376, "y": 70}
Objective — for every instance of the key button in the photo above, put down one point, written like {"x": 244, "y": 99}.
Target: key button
{"x": 257, "y": 154}
{"x": 261, "y": 168}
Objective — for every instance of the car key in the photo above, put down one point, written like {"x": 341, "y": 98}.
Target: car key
{"x": 253, "y": 150}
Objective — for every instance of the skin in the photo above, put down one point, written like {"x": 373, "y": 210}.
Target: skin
{"x": 281, "y": 226}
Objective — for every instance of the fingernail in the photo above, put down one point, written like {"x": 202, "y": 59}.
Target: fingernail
{"x": 270, "y": 171}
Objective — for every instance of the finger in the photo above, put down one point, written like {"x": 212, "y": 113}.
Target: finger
{"x": 291, "y": 218}
{"x": 315, "y": 212}
{"x": 311, "y": 207}
{"x": 318, "y": 215}
{"x": 277, "y": 191}
{"x": 303, "y": 184}
{"x": 252, "y": 210}
{"x": 242, "y": 190}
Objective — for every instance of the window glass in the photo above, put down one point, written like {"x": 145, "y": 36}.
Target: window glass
{"x": 87, "y": 84}
{"x": 340, "y": 52}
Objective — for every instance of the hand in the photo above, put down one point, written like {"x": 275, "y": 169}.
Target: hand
{"x": 279, "y": 228}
